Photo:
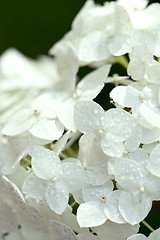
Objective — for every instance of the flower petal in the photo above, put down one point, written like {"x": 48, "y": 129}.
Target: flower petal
{"x": 57, "y": 197}
{"x": 91, "y": 214}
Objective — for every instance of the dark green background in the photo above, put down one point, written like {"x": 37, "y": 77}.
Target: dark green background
{"x": 32, "y": 26}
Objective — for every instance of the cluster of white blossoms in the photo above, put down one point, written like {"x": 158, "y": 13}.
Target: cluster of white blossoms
{"x": 69, "y": 170}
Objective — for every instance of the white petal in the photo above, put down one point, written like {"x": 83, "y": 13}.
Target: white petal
{"x": 47, "y": 129}
{"x": 150, "y": 114}
{"x": 65, "y": 114}
{"x": 34, "y": 234}
{"x": 137, "y": 237}
{"x": 92, "y": 83}
{"x": 154, "y": 162}
{"x": 20, "y": 122}
{"x": 47, "y": 104}
{"x": 123, "y": 23}
{"x": 12, "y": 151}
{"x": 87, "y": 236}
{"x": 152, "y": 186}
{"x": 10, "y": 193}
{"x": 150, "y": 135}
{"x": 15, "y": 235}
{"x": 73, "y": 176}
{"x": 59, "y": 231}
{"x": 112, "y": 207}
{"x": 129, "y": 173}
{"x": 133, "y": 142}
{"x": 120, "y": 45}
{"x": 134, "y": 72}
{"x": 57, "y": 197}
{"x": 139, "y": 156}
{"x": 67, "y": 63}
{"x": 32, "y": 221}
{"x": 94, "y": 47}
{"x": 19, "y": 176}
{"x": 89, "y": 117}
{"x": 154, "y": 235}
{"x": 96, "y": 193}
{"x": 78, "y": 197}
{"x": 90, "y": 152}
{"x": 114, "y": 231}
{"x": 125, "y": 96}
{"x": 78, "y": 20}
{"x": 112, "y": 145}
{"x": 120, "y": 123}
{"x": 35, "y": 187}
{"x": 60, "y": 144}
{"x": 91, "y": 214}
{"x": 44, "y": 162}
{"x": 134, "y": 207}
{"x": 96, "y": 175}
{"x": 8, "y": 219}
{"x": 140, "y": 56}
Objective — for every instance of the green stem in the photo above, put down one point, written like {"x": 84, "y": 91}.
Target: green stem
{"x": 71, "y": 152}
{"x": 27, "y": 160}
{"x": 63, "y": 155}
{"x": 74, "y": 137}
{"x": 73, "y": 204}
{"x": 122, "y": 60}
{"x": 147, "y": 225}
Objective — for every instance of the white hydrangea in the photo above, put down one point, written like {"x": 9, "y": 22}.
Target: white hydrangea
{"x": 68, "y": 168}
{"x": 52, "y": 180}
{"x": 112, "y": 127}
{"x": 153, "y": 236}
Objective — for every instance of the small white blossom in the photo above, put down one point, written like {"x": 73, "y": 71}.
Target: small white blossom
{"x": 112, "y": 127}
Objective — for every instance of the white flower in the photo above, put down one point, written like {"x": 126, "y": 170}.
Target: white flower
{"x": 93, "y": 160}
{"x": 154, "y": 161}
{"x": 11, "y": 205}
{"x": 52, "y": 179}
{"x": 153, "y": 236}
{"x": 114, "y": 231}
{"x": 19, "y": 72}
{"x": 101, "y": 203}
{"x": 12, "y": 149}
{"x": 35, "y": 227}
{"x": 91, "y": 213}
{"x": 87, "y": 236}
{"x": 144, "y": 103}
{"x": 100, "y": 44}
{"x": 40, "y": 120}
{"x": 140, "y": 189}
{"x": 141, "y": 57}
{"x": 87, "y": 89}
{"x": 67, "y": 64}
{"x": 133, "y": 5}
{"x": 112, "y": 127}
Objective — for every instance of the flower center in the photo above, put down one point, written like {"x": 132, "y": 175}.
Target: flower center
{"x": 54, "y": 179}
{"x": 141, "y": 97}
{"x": 100, "y": 132}
{"x": 77, "y": 94}
{"x": 36, "y": 112}
{"x": 125, "y": 153}
{"x": 142, "y": 189}
{"x": 103, "y": 198}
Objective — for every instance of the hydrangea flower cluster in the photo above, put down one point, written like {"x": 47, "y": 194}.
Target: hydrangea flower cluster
{"x": 68, "y": 168}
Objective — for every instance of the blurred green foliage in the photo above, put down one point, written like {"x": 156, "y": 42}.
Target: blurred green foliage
{"x": 33, "y": 26}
